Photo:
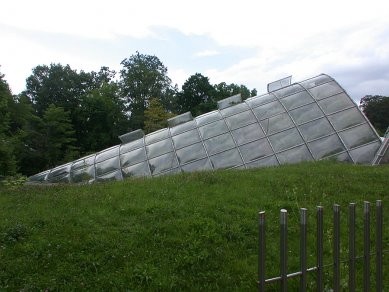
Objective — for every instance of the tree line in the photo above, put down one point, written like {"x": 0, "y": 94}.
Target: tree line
{"x": 64, "y": 114}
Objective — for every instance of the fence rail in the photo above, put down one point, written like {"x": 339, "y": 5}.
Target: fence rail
{"x": 352, "y": 256}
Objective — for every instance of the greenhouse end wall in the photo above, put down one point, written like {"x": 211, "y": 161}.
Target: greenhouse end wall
{"x": 311, "y": 120}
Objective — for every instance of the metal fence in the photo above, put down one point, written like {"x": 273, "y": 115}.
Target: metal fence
{"x": 336, "y": 262}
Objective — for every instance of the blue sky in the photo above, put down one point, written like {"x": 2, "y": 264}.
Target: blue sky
{"x": 245, "y": 42}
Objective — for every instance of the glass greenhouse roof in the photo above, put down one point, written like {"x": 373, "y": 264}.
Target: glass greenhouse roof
{"x": 311, "y": 120}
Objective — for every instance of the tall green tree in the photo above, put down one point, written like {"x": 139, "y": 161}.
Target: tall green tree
{"x": 59, "y": 136}
{"x": 142, "y": 78}
{"x": 58, "y": 85}
{"x": 197, "y": 95}
{"x": 156, "y": 116}
{"x": 224, "y": 90}
{"x": 7, "y": 159}
{"x": 376, "y": 109}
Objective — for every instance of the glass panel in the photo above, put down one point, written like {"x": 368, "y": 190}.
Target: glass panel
{"x": 226, "y": 159}
{"x": 347, "y": 118}
{"x": 256, "y": 150}
{"x": 133, "y": 157}
{"x": 182, "y": 128}
{"x": 316, "y": 129}
{"x": 116, "y": 175}
{"x": 107, "y": 165}
{"x": 163, "y": 162}
{"x": 295, "y": 155}
{"x": 86, "y": 161}
{"x": 159, "y": 148}
{"x": 62, "y": 170}
{"x": 81, "y": 175}
{"x": 156, "y": 136}
{"x": 191, "y": 153}
{"x": 342, "y": 157}
{"x": 140, "y": 169}
{"x": 306, "y": 113}
{"x": 335, "y": 103}
{"x": 40, "y": 177}
{"x": 326, "y": 146}
{"x": 131, "y": 146}
{"x": 268, "y": 110}
{"x": 63, "y": 178}
{"x": 296, "y": 100}
{"x": 186, "y": 138}
{"x": 258, "y": 100}
{"x": 234, "y": 109}
{"x": 180, "y": 119}
{"x": 358, "y": 136}
{"x": 208, "y": 118}
{"x": 247, "y": 134}
{"x": 213, "y": 129}
{"x": 104, "y": 155}
{"x": 281, "y": 93}
{"x": 277, "y": 123}
{"x": 265, "y": 162}
{"x": 219, "y": 143}
{"x": 202, "y": 164}
{"x": 315, "y": 81}
{"x": 240, "y": 120}
{"x": 365, "y": 154}
{"x": 286, "y": 139}
{"x": 325, "y": 90}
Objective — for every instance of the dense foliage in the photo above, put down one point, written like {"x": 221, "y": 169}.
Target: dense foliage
{"x": 376, "y": 109}
{"x": 188, "y": 232}
{"x": 64, "y": 114}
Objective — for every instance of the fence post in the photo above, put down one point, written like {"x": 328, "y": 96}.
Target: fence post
{"x": 379, "y": 246}
{"x": 366, "y": 244}
{"x": 262, "y": 250}
{"x": 319, "y": 242}
{"x": 336, "y": 253}
{"x": 351, "y": 250}
{"x": 284, "y": 249}
{"x": 303, "y": 249}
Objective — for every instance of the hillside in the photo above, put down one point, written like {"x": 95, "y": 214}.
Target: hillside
{"x": 185, "y": 232}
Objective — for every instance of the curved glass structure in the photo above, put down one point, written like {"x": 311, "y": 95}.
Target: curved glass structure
{"x": 311, "y": 120}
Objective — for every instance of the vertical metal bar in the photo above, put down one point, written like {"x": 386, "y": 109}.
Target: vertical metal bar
{"x": 366, "y": 244}
{"x": 284, "y": 249}
{"x": 262, "y": 250}
{"x": 303, "y": 249}
{"x": 319, "y": 241}
{"x": 379, "y": 246}
{"x": 351, "y": 247}
{"x": 336, "y": 251}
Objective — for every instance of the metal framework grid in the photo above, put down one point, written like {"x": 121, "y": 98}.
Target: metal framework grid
{"x": 311, "y": 120}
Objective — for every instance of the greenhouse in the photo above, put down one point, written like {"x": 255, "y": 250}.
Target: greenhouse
{"x": 311, "y": 120}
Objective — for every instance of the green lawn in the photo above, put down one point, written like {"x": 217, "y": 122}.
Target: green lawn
{"x": 186, "y": 232}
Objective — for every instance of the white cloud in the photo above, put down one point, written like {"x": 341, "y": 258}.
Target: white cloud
{"x": 207, "y": 53}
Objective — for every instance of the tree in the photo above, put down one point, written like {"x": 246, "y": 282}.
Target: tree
{"x": 224, "y": 90}
{"x": 143, "y": 77}
{"x": 7, "y": 159}
{"x": 59, "y": 136}
{"x": 376, "y": 109}
{"x": 101, "y": 118}
{"x": 58, "y": 85}
{"x": 197, "y": 95}
{"x": 156, "y": 116}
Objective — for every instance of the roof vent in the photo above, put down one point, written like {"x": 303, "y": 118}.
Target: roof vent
{"x": 275, "y": 85}
{"x": 131, "y": 136}
{"x": 180, "y": 119}
{"x": 229, "y": 101}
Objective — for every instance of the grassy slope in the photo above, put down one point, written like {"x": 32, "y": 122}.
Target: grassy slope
{"x": 186, "y": 232}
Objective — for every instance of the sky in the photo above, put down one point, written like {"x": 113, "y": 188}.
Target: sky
{"x": 247, "y": 42}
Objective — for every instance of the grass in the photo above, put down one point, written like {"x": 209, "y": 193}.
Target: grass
{"x": 193, "y": 231}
